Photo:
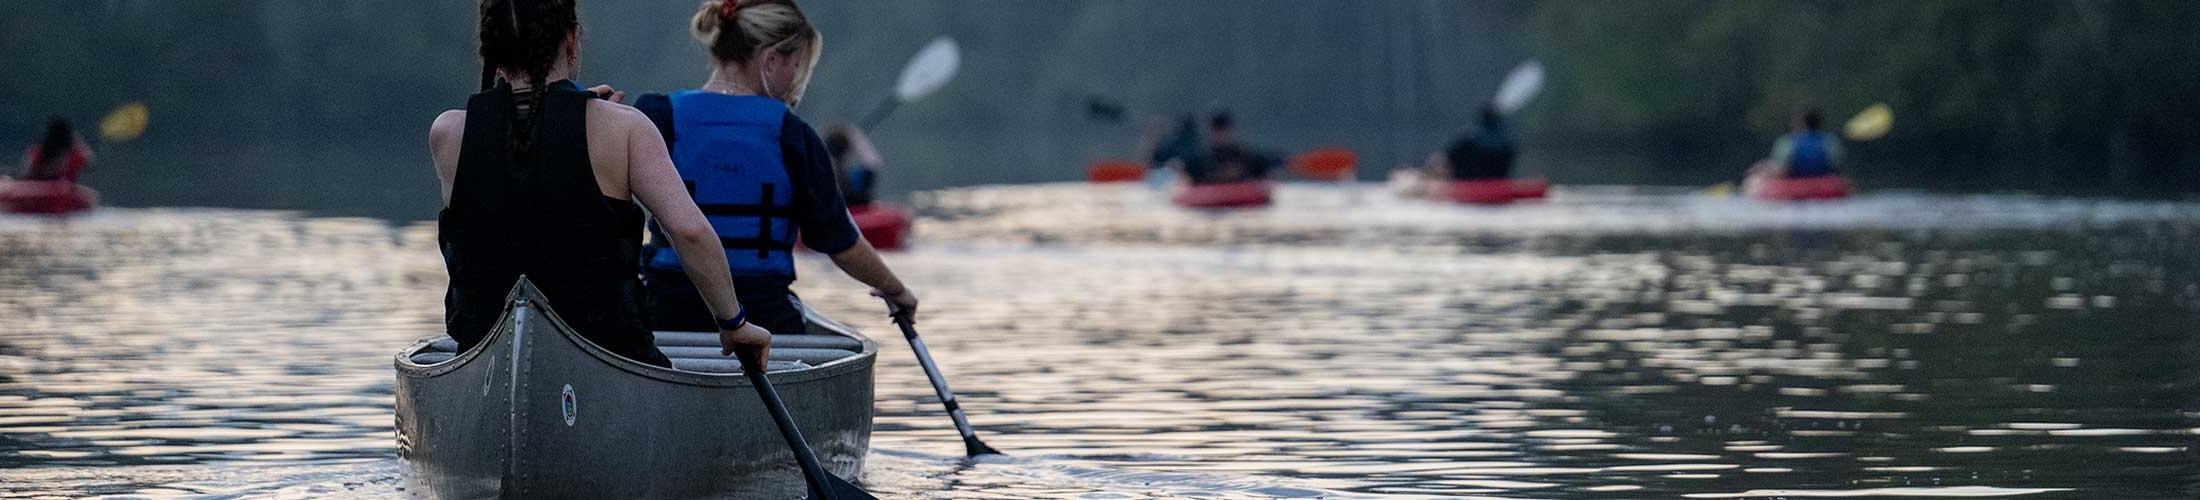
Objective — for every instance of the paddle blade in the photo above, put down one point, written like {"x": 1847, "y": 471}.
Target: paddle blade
{"x": 1520, "y": 87}
{"x": 1326, "y": 164}
{"x": 1112, "y": 171}
{"x": 841, "y": 489}
{"x": 125, "y": 123}
{"x": 1104, "y": 109}
{"x": 931, "y": 69}
{"x": 1871, "y": 124}
{"x": 978, "y": 448}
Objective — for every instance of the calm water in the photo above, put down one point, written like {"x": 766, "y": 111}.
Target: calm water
{"x": 1611, "y": 344}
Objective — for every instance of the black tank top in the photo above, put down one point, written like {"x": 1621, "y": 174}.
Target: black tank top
{"x": 541, "y": 215}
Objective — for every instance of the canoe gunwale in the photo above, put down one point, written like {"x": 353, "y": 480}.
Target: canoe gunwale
{"x": 526, "y": 296}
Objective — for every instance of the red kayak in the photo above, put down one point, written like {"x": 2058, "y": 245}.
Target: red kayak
{"x": 1496, "y": 191}
{"x": 885, "y": 225}
{"x": 1803, "y": 189}
{"x": 1232, "y": 195}
{"x": 45, "y": 197}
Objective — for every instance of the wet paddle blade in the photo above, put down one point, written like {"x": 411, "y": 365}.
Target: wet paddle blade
{"x": 841, "y": 489}
{"x": 125, "y": 123}
{"x": 1520, "y": 87}
{"x": 931, "y": 69}
{"x": 1871, "y": 124}
{"x": 976, "y": 448}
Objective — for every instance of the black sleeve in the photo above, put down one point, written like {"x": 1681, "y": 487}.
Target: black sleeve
{"x": 820, "y": 210}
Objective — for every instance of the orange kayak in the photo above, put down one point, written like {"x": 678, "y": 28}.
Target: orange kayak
{"x": 44, "y": 197}
{"x": 1232, "y": 195}
{"x": 1496, "y": 191}
{"x": 1803, "y": 189}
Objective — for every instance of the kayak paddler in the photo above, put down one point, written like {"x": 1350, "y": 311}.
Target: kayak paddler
{"x": 1807, "y": 151}
{"x": 1219, "y": 159}
{"x": 1485, "y": 153}
{"x": 761, "y": 173}
{"x": 61, "y": 155}
{"x": 855, "y": 162}
{"x": 541, "y": 178}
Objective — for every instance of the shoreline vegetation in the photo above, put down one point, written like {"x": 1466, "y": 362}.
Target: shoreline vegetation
{"x": 2037, "y": 95}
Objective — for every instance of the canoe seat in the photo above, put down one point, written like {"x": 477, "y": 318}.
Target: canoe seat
{"x": 698, "y": 351}
{"x": 722, "y": 365}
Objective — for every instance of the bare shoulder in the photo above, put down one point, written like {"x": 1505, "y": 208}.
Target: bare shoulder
{"x": 445, "y": 138}
{"x": 449, "y": 127}
{"x": 602, "y": 112}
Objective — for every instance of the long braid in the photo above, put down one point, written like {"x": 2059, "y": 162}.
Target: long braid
{"x": 524, "y": 41}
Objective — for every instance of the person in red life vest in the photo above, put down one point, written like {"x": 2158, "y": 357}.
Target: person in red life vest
{"x": 57, "y": 161}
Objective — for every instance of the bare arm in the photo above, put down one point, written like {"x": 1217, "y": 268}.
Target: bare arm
{"x": 863, "y": 263}
{"x": 444, "y": 140}
{"x": 654, "y": 181}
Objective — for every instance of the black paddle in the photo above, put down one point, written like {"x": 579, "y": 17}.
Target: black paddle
{"x": 823, "y": 485}
{"x": 971, "y": 444}
{"x": 1101, "y": 108}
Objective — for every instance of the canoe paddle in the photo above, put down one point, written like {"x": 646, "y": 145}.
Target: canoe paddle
{"x": 823, "y": 485}
{"x": 932, "y": 68}
{"x": 971, "y": 444}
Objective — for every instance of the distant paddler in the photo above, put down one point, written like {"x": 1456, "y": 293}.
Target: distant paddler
{"x": 1213, "y": 157}
{"x": 1478, "y": 166}
{"x": 856, "y": 163}
{"x": 49, "y": 173}
{"x": 761, "y": 174}
{"x": 1487, "y": 152}
{"x": 541, "y": 178}
{"x": 1808, "y": 151}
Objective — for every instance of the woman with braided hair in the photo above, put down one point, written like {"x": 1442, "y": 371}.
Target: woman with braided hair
{"x": 761, "y": 174}
{"x": 541, "y": 178}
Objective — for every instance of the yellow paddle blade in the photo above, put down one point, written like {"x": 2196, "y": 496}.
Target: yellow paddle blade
{"x": 1720, "y": 190}
{"x": 1871, "y": 124}
{"x": 126, "y": 123}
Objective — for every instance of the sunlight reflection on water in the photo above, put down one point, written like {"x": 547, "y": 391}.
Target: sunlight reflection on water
{"x": 1609, "y": 344}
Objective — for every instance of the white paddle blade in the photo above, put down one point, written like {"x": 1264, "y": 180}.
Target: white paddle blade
{"x": 931, "y": 69}
{"x": 1520, "y": 87}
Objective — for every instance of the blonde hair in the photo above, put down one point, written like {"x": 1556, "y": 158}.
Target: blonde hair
{"x": 737, "y": 31}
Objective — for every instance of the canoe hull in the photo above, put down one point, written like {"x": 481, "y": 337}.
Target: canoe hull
{"x": 1232, "y": 195}
{"x": 537, "y": 412}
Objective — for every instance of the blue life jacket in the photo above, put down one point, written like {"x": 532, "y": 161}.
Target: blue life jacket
{"x": 727, "y": 150}
{"x": 1811, "y": 156}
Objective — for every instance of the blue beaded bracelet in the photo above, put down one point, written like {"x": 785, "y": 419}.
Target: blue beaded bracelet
{"x": 739, "y": 319}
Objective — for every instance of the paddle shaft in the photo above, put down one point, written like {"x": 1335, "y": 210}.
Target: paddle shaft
{"x": 971, "y": 443}
{"x": 812, "y": 472}
{"x": 879, "y": 113}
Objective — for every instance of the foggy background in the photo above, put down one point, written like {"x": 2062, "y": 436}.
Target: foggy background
{"x": 323, "y": 105}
